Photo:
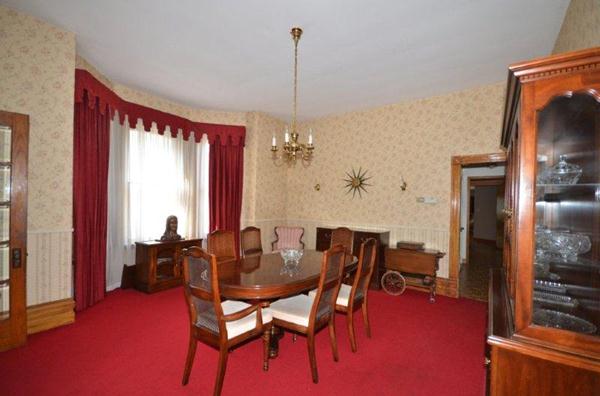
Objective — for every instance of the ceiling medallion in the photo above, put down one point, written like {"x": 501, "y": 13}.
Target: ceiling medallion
{"x": 292, "y": 149}
{"x": 356, "y": 182}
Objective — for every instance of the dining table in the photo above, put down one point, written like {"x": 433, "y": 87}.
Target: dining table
{"x": 263, "y": 278}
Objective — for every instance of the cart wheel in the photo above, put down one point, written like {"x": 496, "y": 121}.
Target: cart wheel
{"x": 393, "y": 283}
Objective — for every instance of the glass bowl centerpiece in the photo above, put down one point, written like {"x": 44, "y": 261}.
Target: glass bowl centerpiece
{"x": 291, "y": 261}
{"x": 291, "y": 255}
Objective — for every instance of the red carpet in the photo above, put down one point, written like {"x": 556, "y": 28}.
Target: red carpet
{"x": 135, "y": 344}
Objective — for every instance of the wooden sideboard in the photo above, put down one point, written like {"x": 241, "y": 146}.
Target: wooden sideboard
{"x": 419, "y": 266}
{"x": 158, "y": 263}
{"x": 359, "y": 236}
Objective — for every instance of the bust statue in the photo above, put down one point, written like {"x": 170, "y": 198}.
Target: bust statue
{"x": 171, "y": 230}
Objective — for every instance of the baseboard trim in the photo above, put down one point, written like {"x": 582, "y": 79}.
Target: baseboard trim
{"x": 47, "y": 316}
{"x": 447, "y": 287}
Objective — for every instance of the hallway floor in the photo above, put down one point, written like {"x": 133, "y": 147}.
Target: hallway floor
{"x": 474, "y": 276}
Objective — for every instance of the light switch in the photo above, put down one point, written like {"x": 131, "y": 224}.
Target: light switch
{"x": 427, "y": 200}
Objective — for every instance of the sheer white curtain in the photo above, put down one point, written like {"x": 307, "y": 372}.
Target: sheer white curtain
{"x": 152, "y": 176}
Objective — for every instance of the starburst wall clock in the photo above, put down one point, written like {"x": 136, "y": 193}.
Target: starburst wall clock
{"x": 356, "y": 182}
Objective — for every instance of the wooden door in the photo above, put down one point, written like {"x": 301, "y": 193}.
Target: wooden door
{"x": 14, "y": 132}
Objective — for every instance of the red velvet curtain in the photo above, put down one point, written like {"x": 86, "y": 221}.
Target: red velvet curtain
{"x": 90, "y": 193}
{"x": 226, "y": 174}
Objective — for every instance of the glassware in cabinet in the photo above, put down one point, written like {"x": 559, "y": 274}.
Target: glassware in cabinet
{"x": 567, "y": 215}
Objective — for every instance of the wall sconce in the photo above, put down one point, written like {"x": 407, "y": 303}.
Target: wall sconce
{"x": 403, "y": 184}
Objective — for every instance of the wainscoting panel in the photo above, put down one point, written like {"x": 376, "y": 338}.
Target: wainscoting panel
{"x": 49, "y": 266}
{"x": 434, "y": 238}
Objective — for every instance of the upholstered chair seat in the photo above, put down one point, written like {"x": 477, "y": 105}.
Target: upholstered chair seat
{"x": 208, "y": 319}
{"x": 297, "y": 309}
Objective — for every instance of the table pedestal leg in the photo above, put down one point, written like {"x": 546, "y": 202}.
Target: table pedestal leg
{"x": 276, "y": 335}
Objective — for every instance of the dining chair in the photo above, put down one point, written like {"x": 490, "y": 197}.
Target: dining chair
{"x": 251, "y": 242}
{"x": 307, "y": 314}
{"x": 288, "y": 238}
{"x": 221, "y": 243}
{"x": 350, "y": 298}
{"x": 342, "y": 236}
{"x": 222, "y": 325}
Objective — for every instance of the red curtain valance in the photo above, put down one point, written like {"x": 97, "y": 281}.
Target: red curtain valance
{"x": 108, "y": 101}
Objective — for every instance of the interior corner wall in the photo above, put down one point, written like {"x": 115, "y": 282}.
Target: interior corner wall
{"x": 580, "y": 28}
{"x": 414, "y": 141}
{"x": 37, "y": 78}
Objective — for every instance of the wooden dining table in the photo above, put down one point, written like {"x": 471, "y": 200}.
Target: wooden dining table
{"x": 265, "y": 277}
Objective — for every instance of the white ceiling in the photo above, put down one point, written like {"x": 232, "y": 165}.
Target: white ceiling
{"x": 237, "y": 55}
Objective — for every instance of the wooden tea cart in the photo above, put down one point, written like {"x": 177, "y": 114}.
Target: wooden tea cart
{"x": 411, "y": 266}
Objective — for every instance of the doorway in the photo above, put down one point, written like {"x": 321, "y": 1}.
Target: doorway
{"x": 482, "y": 233}
{"x": 462, "y": 167}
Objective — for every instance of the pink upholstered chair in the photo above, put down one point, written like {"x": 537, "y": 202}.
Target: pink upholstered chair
{"x": 288, "y": 238}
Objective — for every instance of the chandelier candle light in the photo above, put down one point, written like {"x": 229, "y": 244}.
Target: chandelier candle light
{"x": 292, "y": 149}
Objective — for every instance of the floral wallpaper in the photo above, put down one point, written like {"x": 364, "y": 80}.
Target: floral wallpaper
{"x": 580, "y": 28}
{"x": 37, "y": 64}
{"x": 412, "y": 140}
{"x": 265, "y": 184}
{"x": 37, "y": 78}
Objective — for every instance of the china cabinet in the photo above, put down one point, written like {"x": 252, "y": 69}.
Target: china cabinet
{"x": 544, "y": 305}
{"x": 14, "y": 133}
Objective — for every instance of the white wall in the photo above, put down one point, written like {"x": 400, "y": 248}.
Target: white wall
{"x": 464, "y": 197}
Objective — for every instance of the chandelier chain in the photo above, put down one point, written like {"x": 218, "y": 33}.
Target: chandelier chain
{"x": 292, "y": 148}
{"x": 296, "y": 39}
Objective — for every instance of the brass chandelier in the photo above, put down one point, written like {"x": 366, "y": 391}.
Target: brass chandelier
{"x": 292, "y": 149}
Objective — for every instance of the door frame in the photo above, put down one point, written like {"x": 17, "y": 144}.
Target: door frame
{"x": 476, "y": 181}
{"x": 457, "y": 162}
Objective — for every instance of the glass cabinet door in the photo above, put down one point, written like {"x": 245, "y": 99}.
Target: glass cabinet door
{"x": 5, "y": 168}
{"x": 566, "y": 290}
{"x": 14, "y": 138}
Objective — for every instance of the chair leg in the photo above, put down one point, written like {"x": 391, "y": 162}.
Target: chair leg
{"x": 312, "y": 358}
{"x": 350, "y": 322}
{"x": 223, "y": 354}
{"x": 189, "y": 361}
{"x": 365, "y": 313}
{"x": 333, "y": 339}
{"x": 266, "y": 342}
